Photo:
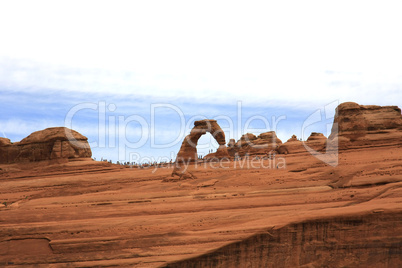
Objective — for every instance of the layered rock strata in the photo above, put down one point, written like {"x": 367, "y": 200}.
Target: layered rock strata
{"x": 47, "y": 144}
{"x": 366, "y": 125}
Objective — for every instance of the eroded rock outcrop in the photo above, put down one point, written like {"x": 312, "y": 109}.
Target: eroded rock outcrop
{"x": 188, "y": 149}
{"x": 355, "y": 126}
{"x": 366, "y": 125}
{"x": 316, "y": 141}
{"x": 255, "y": 145}
{"x": 292, "y": 145}
{"x": 47, "y": 144}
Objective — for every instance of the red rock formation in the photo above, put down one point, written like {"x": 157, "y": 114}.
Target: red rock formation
{"x": 316, "y": 141}
{"x": 47, "y": 144}
{"x": 253, "y": 145}
{"x": 355, "y": 126}
{"x": 293, "y": 145}
{"x": 366, "y": 125}
{"x": 231, "y": 148}
{"x": 188, "y": 150}
{"x": 4, "y": 141}
{"x": 293, "y": 138}
{"x": 246, "y": 140}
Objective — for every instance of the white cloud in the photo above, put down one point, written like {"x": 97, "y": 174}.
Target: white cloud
{"x": 21, "y": 128}
{"x": 218, "y": 52}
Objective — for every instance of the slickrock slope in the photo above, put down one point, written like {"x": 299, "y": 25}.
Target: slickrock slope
{"x": 347, "y": 241}
{"x": 48, "y": 144}
{"x": 247, "y": 213}
{"x": 86, "y": 214}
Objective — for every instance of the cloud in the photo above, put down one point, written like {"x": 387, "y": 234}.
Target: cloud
{"x": 280, "y": 89}
{"x": 17, "y": 129}
{"x": 275, "y": 58}
{"x": 259, "y": 53}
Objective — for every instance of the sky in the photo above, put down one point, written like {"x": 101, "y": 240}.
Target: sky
{"x": 132, "y": 76}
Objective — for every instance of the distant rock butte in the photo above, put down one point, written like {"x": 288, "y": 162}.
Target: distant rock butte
{"x": 355, "y": 126}
{"x": 366, "y": 125}
{"x": 47, "y": 144}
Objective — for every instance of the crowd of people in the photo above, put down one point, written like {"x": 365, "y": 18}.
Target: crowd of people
{"x": 266, "y": 156}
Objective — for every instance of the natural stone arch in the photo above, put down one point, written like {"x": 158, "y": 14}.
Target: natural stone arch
{"x": 188, "y": 149}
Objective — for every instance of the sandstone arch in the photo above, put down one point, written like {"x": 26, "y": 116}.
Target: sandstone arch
{"x": 188, "y": 150}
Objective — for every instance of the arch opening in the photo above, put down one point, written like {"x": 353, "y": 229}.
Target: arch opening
{"x": 188, "y": 150}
